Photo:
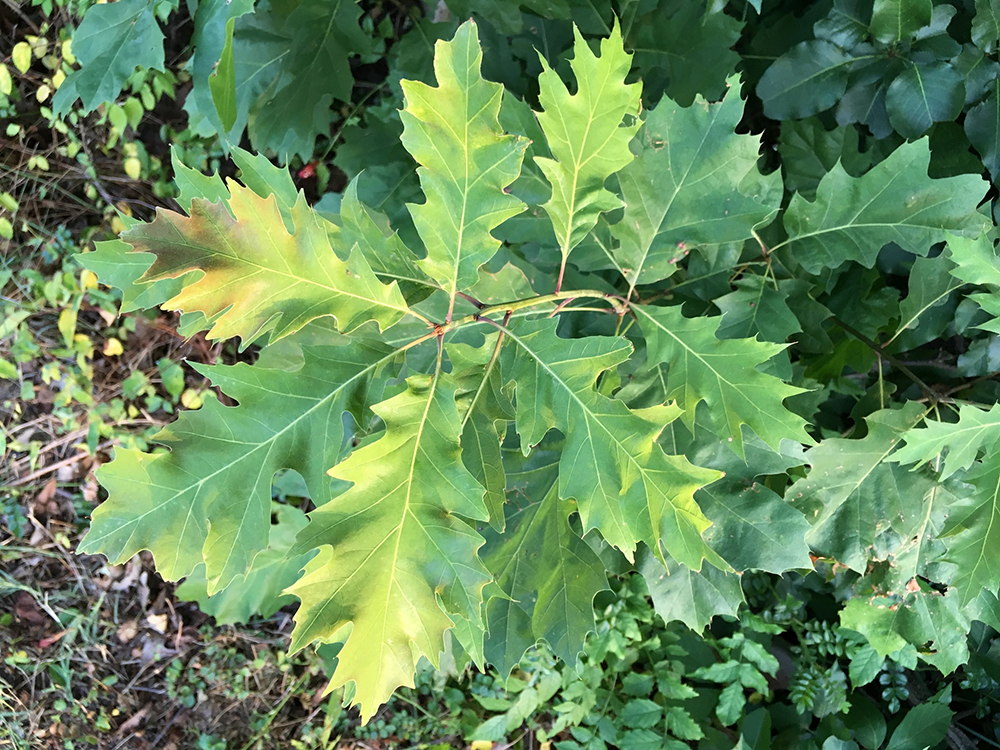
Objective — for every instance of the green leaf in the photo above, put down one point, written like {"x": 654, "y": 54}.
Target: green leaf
{"x": 753, "y": 528}
{"x": 551, "y": 576}
{"x": 973, "y": 532}
{"x": 897, "y": 20}
{"x": 588, "y": 134}
{"x": 982, "y": 126}
{"x": 810, "y": 78}
{"x": 757, "y": 306}
{"x": 925, "y": 619}
{"x": 850, "y": 490}
{"x": 641, "y": 713}
{"x": 222, "y": 460}
{"x": 641, "y": 739}
{"x": 223, "y": 82}
{"x": 929, "y": 286}
{"x": 686, "y": 48}
{"x": 723, "y": 374}
{"x": 385, "y": 252}
{"x": 923, "y": 726}
{"x": 465, "y": 162}
{"x": 260, "y": 175}
{"x": 692, "y": 597}
{"x": 694, "y": 182}
{"x": 111, "y": 41}
{"x": 853, "y": 218}
{"x": 808, "y": 151}
{"x": 977, "y": 263}
{"x": 986, "y": 25}
{"x": 395, "y": 557}
{"x": 259, "y": 592}
{"x": 117, "y": 265}
{"x": 922, "y": 95}
{"x": 732, "y": 700}
{"x": 847, "y": 23}
{"x": 974, "y": 431}
{"x": 257, "y": 277}
{"x": 866, "y": 664}
{"x": 214, "y": 26}
{"x": 624, "y": 483}
{"x": 313, "y": 70}
{"x": 486, "y": 409}
{"x": 193, "y": 184}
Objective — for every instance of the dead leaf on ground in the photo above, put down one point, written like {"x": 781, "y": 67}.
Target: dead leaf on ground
{"x": 133, "y": 721}
{"x": 44, "y": 505}
{"x": 127, "y": 631}
{"x": 158, "y": 622}
{"x": 26, "y": 610}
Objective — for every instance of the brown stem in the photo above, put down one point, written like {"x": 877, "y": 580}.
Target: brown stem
{"x": 928, "y": 391}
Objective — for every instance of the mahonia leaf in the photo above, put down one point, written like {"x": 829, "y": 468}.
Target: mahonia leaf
{"x": 256, "y": 276}
{"x": 690, "y": 596}
{"x": 722, "y": 373}
{"x": 259, "y": 592}
{"x": 624, "y": 484}
{"x": 588, "y": 134}
{"x": 974, "y": 431}
{"x": 694, "y": 182}
{"x": 465, "y": 162}
{"x": 222, "y": 459}
{"x": 551, "y": 577}
{"x": 852, "y": 218}
{"x": 977, "y": 263}
{"x": 851, "y": 491}
{"x": 395, "y": 557}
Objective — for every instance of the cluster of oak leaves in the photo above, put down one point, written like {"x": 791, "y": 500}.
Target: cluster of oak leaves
{"x": 502, "y": 432}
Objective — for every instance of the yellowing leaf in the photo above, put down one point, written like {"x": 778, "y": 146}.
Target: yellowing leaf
{"x": 133, "y": 167}
{"x": 21, "y": 56}
{"x": 256, "y": 277}
{"x": 395, "y": 557}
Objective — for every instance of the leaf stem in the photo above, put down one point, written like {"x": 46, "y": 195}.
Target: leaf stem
{"x": 487, "y": 370}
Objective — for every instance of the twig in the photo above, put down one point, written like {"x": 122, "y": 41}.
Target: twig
{"x": 54, "y": 467}
{"x": 928, "y": 391}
